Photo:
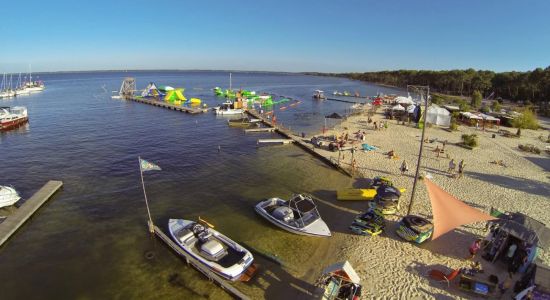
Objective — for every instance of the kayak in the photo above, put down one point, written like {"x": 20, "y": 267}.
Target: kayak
{"x": 358, "y": 194}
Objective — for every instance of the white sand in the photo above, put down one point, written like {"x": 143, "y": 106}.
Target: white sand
{"x": 394, "y": 269}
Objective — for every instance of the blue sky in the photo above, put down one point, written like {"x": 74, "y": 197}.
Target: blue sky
{"x": 298, "y": 35}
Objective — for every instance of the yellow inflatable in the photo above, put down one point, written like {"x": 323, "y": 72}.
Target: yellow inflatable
{"x": 195, "y": 100}
{"x": 358, "y": 194}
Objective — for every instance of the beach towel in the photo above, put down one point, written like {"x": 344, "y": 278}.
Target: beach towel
{"x": 368, "y": 147}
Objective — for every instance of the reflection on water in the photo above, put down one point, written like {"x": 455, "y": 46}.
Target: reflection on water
{"x": 90, "y": 240}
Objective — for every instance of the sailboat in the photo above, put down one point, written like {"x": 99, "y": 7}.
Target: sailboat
{"x": 30, "y": 86}
{"x": 5, "y": 88}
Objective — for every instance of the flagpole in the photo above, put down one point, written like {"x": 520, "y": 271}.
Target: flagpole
{"x": 150, "y": 222}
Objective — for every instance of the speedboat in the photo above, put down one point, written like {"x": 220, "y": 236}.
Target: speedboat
{"x": 12, "y": 117}
{"x": 319, "y": 95}
{"x": 298, "y": 215}
{"x": 244, "y": 122}
{"x": 8, "y": 196}
{"x": 213, "y": 249}
{"x": 228, "y": 108}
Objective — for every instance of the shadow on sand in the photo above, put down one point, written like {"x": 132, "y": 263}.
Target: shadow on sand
{"x": 516, "y": 183}
{"x": 543, "y": 162}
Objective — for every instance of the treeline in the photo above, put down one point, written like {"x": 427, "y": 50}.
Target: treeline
{"x": 533, "y": 86}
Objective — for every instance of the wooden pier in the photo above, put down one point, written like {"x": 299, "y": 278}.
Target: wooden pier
{"x": 25, "y": 211}
{"x": 346, "y": 101}
{"x": 275, "y": 141}
{"x": 263, "y": 129}
{"x": 190, "y": 110}
{"x": 224, "y": 284}
{"x": 300, "y": 142}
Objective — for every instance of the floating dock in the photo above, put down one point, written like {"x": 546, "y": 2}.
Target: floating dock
{"x": 25, "y": 211}
{"x": 275, "y": 141}
{"x": 300, "y": 142}
{"x": 190, "y": 110}
{"x": 224, "y": 284}
{"x": 263, "y": 129}
{"x": 346, "y": 101}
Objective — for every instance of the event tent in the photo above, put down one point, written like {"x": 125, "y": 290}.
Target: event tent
{"x": 398, "y": 107}
{"x": 439, "y": 116}
{"x": 404, "y": 100}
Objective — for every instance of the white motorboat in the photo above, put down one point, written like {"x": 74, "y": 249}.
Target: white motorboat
{"x": 8, "y": 196}
{"x": 319, "y": 95}
{"x": 12, "y": 117}
{"x": 298, "y": 215}
{"x": 218, "y": 252}
{"x": 228, "y": 108}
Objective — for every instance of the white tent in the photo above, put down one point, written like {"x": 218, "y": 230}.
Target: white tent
{"x": 404, "y": 100}
{"x": 398, "y": 107}
{"x": 439, "y": 116}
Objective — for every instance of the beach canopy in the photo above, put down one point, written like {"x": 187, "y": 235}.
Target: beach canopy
{"x": 439, "y": 116}
{"x": 449, "y": 212}
{"x": 404, "y": 100}
{"x": 398, "y": 107}
{"x": 344, "y": 270}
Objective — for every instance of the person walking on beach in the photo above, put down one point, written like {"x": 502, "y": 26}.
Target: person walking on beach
{"x": 375, "y": 127}
{"x": 452, "y": 166}
{"x": 404, "y": 167}
{"x": 460, "y": 168}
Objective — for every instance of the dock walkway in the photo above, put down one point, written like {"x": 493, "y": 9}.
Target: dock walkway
{"x": 190, "y": 110}
{"x": 23, "y": 213}
{"x": 224, "y": 284}
{"x": 300, "y": 142}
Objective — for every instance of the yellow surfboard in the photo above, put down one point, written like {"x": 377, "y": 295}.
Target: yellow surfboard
{"x": 358, "y": 194}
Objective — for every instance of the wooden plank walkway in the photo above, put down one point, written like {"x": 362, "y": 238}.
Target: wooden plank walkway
{"x": 263, "y": 129}
{"x": 224, "y": 284}
{"x": 25, "y": 211}
{"x": 300, "y": 142}
{"x": 278, "y": 141}
{"x": 190, "y": 110}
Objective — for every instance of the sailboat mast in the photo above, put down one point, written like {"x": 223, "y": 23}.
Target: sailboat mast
{"x": 230, "y": 88}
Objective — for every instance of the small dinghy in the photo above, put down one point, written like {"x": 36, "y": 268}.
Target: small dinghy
{"x": 298, "y": 215}
{"x": 8, "y": 196}
{"x": 218, "y": 252}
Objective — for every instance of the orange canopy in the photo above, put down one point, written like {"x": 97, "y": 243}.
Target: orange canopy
{"x": 449, "y": 212}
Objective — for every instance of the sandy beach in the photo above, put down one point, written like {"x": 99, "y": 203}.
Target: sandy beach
{"x": 394, "y": 269}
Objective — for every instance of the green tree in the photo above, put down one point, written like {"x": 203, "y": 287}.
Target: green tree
{"x": 476, "y": 99}
{"x": 495, "y": 106}
{"x": 526, "y": 120}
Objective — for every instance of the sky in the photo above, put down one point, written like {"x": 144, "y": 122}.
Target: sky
{"x": 291, "y": 36}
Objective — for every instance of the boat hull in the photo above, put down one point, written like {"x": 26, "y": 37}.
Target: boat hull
{"x": 233, "y": 272}
{"x": 295, "y": 230}
{"x": 13, "y": 123}
{"x": 8, "y": 196}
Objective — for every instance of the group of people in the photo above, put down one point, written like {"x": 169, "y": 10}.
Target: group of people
{"x": 452, "y": 168}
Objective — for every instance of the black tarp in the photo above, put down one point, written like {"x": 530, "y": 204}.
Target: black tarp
{"x": 525, "y": 228}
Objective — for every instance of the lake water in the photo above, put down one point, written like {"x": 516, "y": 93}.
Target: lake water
{"x": 90, "y": 240}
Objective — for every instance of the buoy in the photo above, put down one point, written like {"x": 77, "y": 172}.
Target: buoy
{"x": 149, "y": 255}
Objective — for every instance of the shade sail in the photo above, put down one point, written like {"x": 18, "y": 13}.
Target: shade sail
{"x": 449, "y": 212}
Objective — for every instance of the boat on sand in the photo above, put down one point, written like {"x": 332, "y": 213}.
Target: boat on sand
{"x": 298, "y": 215}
